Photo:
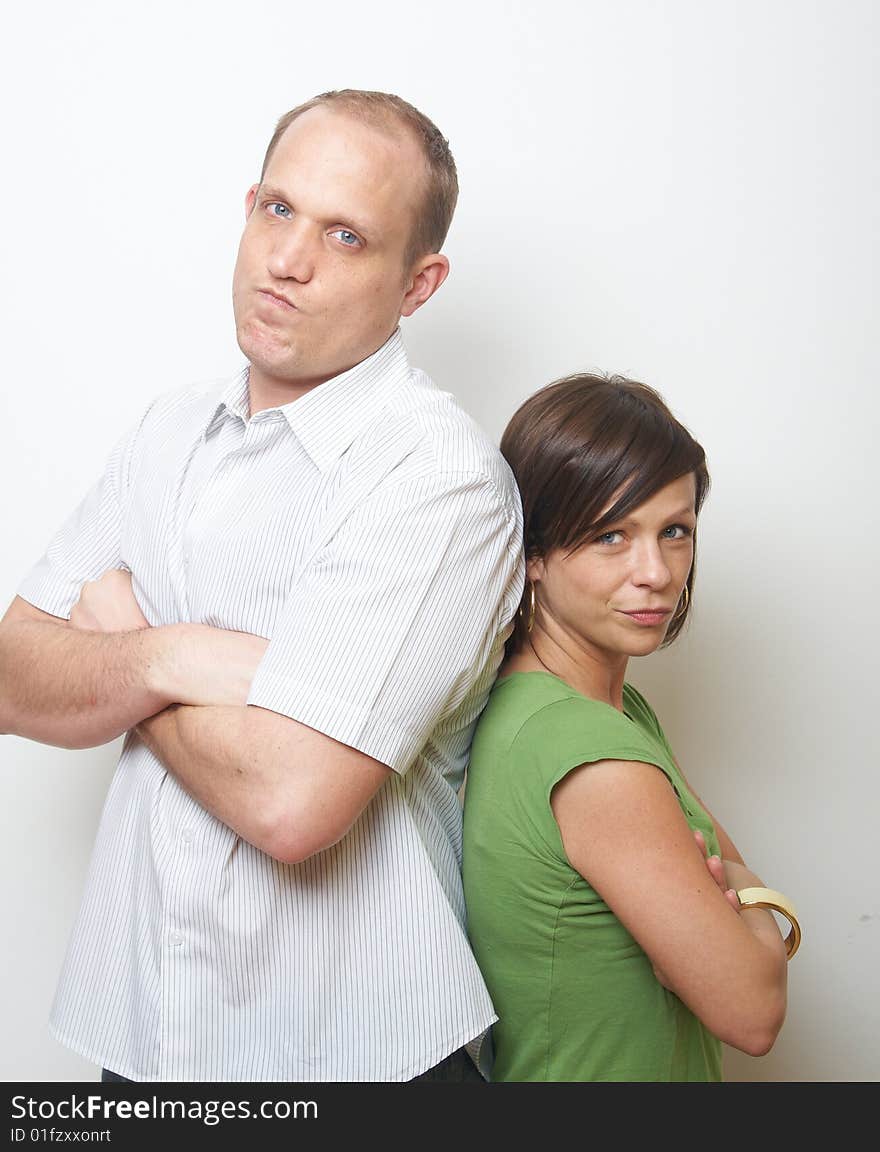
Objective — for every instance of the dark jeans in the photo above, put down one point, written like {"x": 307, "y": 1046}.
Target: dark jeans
{"x": 457, "y": 1068}
{"x": 108, "y": 1077}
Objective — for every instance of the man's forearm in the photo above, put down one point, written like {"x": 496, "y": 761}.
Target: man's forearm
{"x": 217, "y": 755}
{"x": 77, "y": 689}
{"x": 285, "y": 788}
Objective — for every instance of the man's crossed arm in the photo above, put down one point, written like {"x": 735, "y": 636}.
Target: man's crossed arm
{"x": 285, "y": 788}
{"x": 83, "y": 682}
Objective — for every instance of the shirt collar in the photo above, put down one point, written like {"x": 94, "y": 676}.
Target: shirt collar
{"x": 233, "y": 399}
{"x": 328, "y": 418}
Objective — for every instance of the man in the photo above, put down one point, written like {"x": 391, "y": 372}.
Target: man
{"x": 291, "y": 592}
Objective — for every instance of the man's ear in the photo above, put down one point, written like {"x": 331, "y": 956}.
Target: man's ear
{"x": 251, "y": 199}
{"x": 425, "y": 277}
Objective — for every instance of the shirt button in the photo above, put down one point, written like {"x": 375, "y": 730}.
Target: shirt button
{"x": 175, "y": 939}
{"x": 187, "y": 836}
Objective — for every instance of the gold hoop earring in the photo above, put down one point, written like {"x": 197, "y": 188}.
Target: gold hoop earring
{"x": 530, "y": 619}
{"x": 684, "y": 600}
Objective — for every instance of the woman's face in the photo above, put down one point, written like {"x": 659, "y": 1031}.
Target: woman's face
{"x": 617, "y": 594}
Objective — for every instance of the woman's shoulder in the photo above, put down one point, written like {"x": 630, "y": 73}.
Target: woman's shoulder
{"x": 530, "y": 708}
{"x": 528, "y": 695}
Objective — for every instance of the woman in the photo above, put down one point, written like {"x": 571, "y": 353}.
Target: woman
{"x": 609, "y": 932}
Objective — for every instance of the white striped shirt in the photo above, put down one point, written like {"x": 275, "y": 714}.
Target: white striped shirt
{"x": 372, "y": 533}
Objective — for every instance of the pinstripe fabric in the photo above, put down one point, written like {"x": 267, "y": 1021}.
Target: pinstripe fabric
{"x": 372, "y": 533}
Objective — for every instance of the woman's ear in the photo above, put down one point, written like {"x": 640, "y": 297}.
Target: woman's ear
{"x": 535, "y": 569}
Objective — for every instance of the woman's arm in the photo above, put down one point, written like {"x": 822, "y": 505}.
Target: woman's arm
{"x": 624, "y": 831}
{"x": 729, "y": 850}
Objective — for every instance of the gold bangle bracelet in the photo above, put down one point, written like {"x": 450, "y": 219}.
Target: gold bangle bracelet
{"x": 768, "y": 898}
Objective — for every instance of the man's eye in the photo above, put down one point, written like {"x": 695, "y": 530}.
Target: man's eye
{"x": 277, "y": 209}
{"x": 349, "y": 239}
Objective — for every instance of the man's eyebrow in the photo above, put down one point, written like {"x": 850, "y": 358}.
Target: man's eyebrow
{"x": 269, "y": 192}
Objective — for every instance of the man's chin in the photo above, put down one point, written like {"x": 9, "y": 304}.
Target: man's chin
{"x": 264, "y": 351}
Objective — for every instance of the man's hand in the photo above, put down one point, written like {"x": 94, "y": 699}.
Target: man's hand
{"x": 210, "y": 666}
{"x": 108, "y": 604}
{"x": 196, "y": 665}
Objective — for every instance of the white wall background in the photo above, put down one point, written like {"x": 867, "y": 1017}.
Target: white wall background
{"x": 683, "y": 191}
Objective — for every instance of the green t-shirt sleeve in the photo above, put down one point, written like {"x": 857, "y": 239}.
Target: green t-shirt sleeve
{"x": 562, "y": 736}
{"x": 575, "y": 730}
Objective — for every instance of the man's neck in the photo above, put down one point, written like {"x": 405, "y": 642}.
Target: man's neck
{"x": 266, "y": 390}
{"x": 270, "y": 392}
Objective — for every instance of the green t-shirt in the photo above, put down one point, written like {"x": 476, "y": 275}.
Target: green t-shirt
{"x": 576, "y": 996}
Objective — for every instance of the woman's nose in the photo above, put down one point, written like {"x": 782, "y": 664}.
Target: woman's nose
{"x": 649, "y": 565}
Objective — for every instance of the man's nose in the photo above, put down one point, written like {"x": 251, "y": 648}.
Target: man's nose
{"x": 294, "y": 252}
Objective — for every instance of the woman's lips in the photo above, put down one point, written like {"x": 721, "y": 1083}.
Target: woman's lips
{"x": 650, "y": 618}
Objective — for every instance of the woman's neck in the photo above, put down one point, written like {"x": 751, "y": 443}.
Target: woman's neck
{"x": 596, "y": 674}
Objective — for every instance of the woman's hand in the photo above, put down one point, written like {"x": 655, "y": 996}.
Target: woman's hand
{"x": 718, "y": 872}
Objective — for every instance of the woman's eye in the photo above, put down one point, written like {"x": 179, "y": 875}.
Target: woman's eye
{"x": 609, "y": 538}
{"x": 677, "y": 532}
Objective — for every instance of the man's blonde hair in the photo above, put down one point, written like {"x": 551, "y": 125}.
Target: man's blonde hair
{"x": 383, "y": 110}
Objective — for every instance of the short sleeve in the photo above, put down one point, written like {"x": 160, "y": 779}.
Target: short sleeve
{"x": 575, "y": 730}
{"x": 89, "y": 542}
{"x": 583, "y": 731}
{"x": 390, "y": 626}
